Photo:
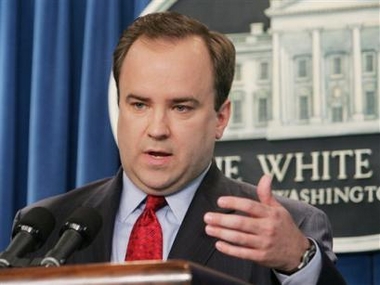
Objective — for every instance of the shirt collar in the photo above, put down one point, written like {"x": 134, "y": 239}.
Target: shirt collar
{"x": 132, "y": 197}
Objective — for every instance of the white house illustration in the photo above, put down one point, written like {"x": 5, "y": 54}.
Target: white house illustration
{"x": 314, "y": 73}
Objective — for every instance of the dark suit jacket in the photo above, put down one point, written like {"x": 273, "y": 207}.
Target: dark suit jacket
{"x": 191, "y": 242}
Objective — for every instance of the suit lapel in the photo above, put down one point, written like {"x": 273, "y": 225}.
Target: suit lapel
{"x": 191, "y": 242}
{"x": 106, "y": 201}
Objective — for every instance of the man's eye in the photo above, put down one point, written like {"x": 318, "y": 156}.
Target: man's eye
{"x": 182, "y": 108}
{"x": 138, "y": 105}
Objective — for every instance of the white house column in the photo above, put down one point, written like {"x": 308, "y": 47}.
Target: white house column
{"x": 317, "y": 84}
{"x": 378, "y": 89}
{"x": 357, "y": 64}
{"x": 276, "y": 115}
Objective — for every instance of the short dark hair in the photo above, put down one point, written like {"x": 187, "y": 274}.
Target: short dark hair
{"x": 173, "y": 25}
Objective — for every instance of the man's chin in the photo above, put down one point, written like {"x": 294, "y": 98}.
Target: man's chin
{"x": 160, "y": 188}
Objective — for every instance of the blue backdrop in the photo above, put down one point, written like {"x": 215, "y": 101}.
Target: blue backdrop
{"x": 55, "y": 61}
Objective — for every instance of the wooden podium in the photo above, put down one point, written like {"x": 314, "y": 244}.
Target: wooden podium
{"x": 173, "y": 272}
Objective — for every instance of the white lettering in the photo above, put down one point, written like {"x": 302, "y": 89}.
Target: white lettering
{"x": 305, "y": 195}
{"x": 275, "y": 160}
{"x": 317, "y": 197}
{"x": 361, "y": 163}
{"x": 318, "y": 164}
{"x": 327, "y": 196}
{"x": 326, "y": 165}
{"x": 356, "y": 194}
{"x": 300, "y": 166}
{"x": 229, "y": 165}
{"x": 370, "y": 190}
{"x": 342, "y": 154}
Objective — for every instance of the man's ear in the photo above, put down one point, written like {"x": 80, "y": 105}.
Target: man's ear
{"x": 223, "y": 116}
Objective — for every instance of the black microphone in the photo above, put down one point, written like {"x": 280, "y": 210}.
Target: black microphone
{"x": 29, "y": 234}
{"x": 77, "y": 233}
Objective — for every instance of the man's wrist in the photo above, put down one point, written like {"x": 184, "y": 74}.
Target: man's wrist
{"x": 304, "y": 260}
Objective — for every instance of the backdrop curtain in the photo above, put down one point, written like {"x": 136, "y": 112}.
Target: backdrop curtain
{"x": 55, "y": 62}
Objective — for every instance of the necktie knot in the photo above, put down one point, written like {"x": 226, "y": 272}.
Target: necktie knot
{"x": 155, "y": 202}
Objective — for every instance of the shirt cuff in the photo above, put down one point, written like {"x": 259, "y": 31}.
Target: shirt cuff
{"x": 307, "y": 275}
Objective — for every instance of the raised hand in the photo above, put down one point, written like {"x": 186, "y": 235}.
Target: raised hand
{"x": 264, "y": 231}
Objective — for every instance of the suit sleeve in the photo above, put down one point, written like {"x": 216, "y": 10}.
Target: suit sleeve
{"x": 317, "y": 226}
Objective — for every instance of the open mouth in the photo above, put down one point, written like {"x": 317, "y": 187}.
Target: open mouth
{"x": 158, "y": 154}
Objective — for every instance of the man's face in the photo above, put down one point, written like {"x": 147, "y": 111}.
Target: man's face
{"x": 167, "y": 122}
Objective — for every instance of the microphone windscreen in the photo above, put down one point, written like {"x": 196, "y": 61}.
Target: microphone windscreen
{"x": 87, "y": 221}
{"x": 40, "y": 219}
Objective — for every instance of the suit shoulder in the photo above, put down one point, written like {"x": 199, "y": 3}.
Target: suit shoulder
{"x": 75, "y": 197}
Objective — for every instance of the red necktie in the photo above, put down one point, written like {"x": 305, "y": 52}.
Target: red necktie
{"x": 145, "y": 242}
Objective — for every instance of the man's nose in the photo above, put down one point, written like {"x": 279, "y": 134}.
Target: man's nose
{"x": 159, "y": 125}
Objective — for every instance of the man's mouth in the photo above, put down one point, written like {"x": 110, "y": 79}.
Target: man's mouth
{"x": 158, "y": 154}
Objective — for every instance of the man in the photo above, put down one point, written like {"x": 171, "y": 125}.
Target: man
{"x": 173, "y": 77}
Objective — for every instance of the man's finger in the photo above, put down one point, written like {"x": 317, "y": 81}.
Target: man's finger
{"x": 264, "y": 191}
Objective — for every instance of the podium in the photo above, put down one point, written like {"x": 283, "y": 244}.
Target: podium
{"x": 172, "y": 272}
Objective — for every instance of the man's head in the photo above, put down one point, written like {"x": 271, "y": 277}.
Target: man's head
{"x": 174, "y": 26}
{"x": 169, "y": 118}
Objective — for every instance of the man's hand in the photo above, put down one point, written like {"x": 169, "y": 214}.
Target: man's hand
{"x": 266, "y": 234}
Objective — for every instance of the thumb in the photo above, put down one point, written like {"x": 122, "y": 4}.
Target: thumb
{"x": 264, "y": 191}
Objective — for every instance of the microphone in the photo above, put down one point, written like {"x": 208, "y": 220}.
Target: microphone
{"x": 29, "y": 234}
{"x": 77, "y": 233}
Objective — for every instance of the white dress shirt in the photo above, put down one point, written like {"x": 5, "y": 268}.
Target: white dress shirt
{"x": 170, "y": 216}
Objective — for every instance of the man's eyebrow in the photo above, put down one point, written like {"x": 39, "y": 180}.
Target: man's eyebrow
{"x": 179, "y": 100}
{"x": 185, "y": 100}
{"x": 137, "y": 97}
